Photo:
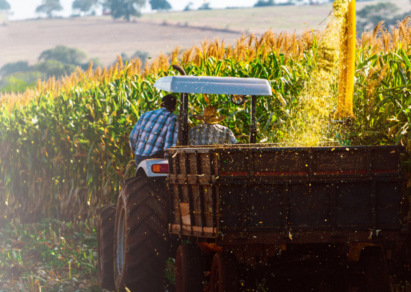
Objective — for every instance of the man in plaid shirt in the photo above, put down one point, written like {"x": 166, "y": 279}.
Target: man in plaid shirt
{"x": 155, "y": 131}
{"x": 210, "y": 132}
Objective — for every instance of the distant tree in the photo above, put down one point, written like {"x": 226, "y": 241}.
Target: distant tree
{"x": 63, "y": 54}
{"x": 106, "y": 4}
{"x": 55, "y": 68}
{"x": 124, "y": 8}
{"x": 96, "y": 63}
{"x": 263, "y": 3}
{"x": 48, "y": 7}
{"x": 371, "y": 15}
{"x": 10, "y": 68}
{"x": 13, "y": 84}
{"x": 189, "y": 4}
{"x": 205, "y": 6}
{"x": 84, "y": 5}
{"x": 19, "y": 81}
{"x": 59, "y": 61}
{"x": 143, "y": 56}
{"x": 161, "y": 5}
{"x": 370, "y": 11}
{"x": 4, "y": 5}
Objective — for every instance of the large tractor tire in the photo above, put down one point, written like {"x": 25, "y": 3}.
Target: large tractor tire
{"x": 141, "y": 238}
{"x": 105, "y": 238}
{"x": 224, "y": 273}
{"x": 189, "y": 268}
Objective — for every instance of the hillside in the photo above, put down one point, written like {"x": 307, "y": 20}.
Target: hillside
{"x": 97, "y": 37}
{"x": 154, "y": 33}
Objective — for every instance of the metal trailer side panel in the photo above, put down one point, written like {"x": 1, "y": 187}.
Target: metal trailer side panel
{"x": 317, "y": 194}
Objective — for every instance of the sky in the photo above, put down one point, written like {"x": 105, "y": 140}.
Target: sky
{"x": 23, "y": 9}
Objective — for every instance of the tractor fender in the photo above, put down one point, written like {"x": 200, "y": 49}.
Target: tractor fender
{"x": 146, "y": 167}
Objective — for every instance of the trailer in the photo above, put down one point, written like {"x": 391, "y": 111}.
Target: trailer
{"x": 336, "y": 211}
{"x": 250, "y": 216}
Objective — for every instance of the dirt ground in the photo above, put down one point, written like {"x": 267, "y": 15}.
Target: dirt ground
{"x": 105, "y": 38}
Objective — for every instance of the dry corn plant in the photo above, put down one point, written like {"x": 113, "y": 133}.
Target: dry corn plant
{"x": 382, "y": 40}
{"x": 161, "y": 63}
{"x": 247, "y": 48}
{"x": 87, "y": 79}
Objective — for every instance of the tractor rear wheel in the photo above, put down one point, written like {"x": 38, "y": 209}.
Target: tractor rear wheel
{"x": 189, "y": 268}
{"x": 140, "y": 236}
{"x": 374, "y": 266}
{"x": 224, "y": 273}
{"x": 105, "y": 237}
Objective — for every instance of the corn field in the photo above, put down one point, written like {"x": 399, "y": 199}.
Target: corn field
{"x": 64, "y": 145}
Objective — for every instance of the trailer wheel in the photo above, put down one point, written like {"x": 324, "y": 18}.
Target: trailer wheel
{"x": 374, "y": 266}
{"x": 141, "y": 238}
{"x": 224, "y": 273}
{"x": 189, "y": 268}
{"x": 105, "y": 238}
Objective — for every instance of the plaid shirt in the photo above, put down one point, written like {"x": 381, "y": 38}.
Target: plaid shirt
{"x": 207, "y": 134}
{"x": 154, "y": 132}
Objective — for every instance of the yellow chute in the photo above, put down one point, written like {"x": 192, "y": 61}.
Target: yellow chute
{"x": 347, "y": 67}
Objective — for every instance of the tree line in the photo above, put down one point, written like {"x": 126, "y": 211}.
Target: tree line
{"x": 56, "y": 62}
{"x": 368, "y": 17}
{"x": 117, "y": 8}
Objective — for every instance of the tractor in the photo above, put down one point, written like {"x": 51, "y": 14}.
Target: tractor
{"x": 245, "y": 216}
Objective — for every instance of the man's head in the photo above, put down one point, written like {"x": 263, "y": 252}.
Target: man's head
{"x": 169, "y": 102}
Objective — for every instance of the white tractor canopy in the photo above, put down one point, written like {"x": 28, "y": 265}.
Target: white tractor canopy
{"x": 214, "y": 85}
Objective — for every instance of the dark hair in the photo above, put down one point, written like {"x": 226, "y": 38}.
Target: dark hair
{"x": 169, "y": 102}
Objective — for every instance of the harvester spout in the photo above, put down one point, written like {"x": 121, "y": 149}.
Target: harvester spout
{"x": 347, "y": 66}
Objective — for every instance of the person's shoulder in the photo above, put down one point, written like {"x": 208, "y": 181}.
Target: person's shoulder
{"x": 148, "y": 113}
{"x": 201, "y": 126}
{"x": 197, "y": 128}
{"x": 170, "y": 115}
{"x": 159, "y": 110}
{"x": 221, "y": 127}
